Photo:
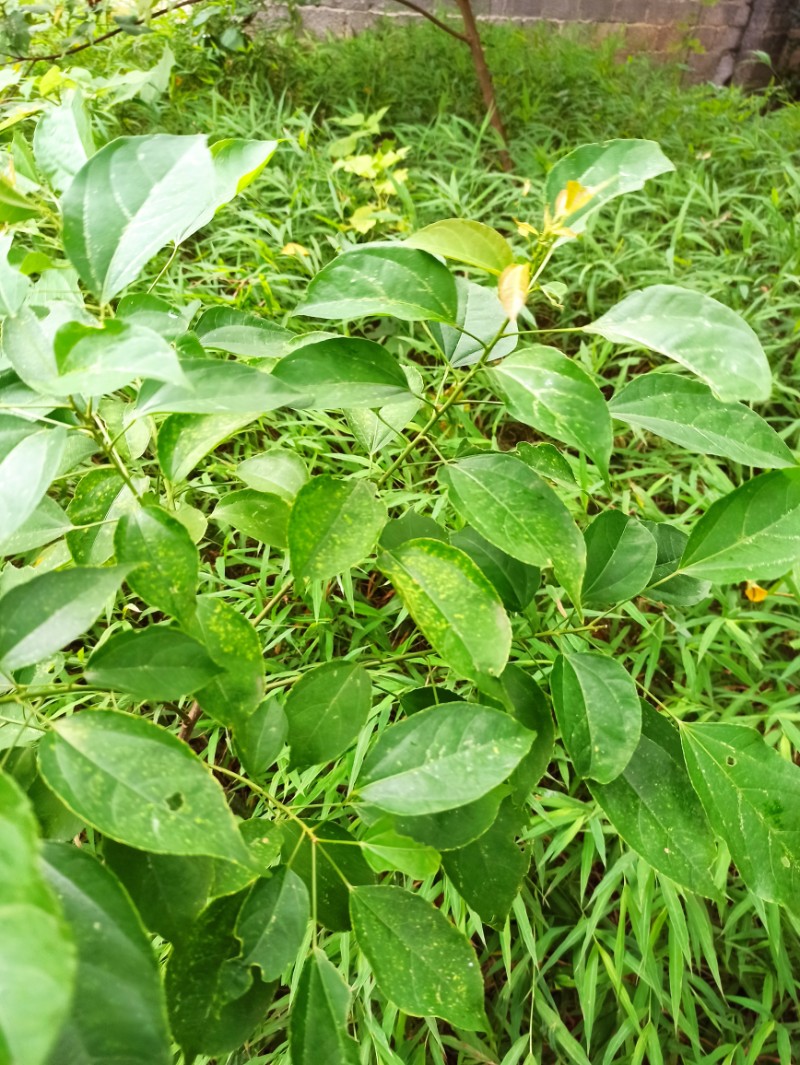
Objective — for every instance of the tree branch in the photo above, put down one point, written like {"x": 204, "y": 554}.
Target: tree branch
{"x": 432, "y": 18}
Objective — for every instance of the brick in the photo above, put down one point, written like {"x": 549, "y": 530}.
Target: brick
{"x": 630, "y": 11}
{"x": 596, "y": 10}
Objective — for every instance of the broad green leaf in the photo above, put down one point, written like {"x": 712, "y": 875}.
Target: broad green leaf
{"x": 158, "y": 663}
{"x": 26, "y": 473}
{"x": 133, "y": 197}
{"x": 343, "y": 372}
{"x": 326, "y": 710}
{"x": 226, "y": 329}
{"x": 29, "y": 345}
{"x": 548, "y": 462}
{"x": 411, "y": 526}
{"x": 152, "y": 313}
{"x": 422, "y": 963}
{"x": 260, "y": 515}
{"x": 700, "y": 333}
{"x": 217, "y": 386}
{"x": 13, "y": 429}
{"x": 598, "y": 711}
{"x": 455, "y": 828}
{"x": 334, "y": 525}
{"x": 100, "y": 499}
{"x": 47, "y": 523}
{"x": 373, "y": 429}
{"x": 472, "y": 243}
{"x": 37, "y": 966}
{"x": 263, "y": 839}
{"x": 279, "y": 472}
{"x": 272, "y": 922}
{"x": 165, "y": 559}
{"x": 13, "y": 285}
{"x": 51, "y": 610}
{"x": 138, "y": 784}
{"x": 19, "y": 728}
{"x": 653, "y": 807}
{"x": 95, "y": 359}
{"x": 552, "y": 393}
{"x": 752, "y": 797}
{"x": 479, "y": 320}
{"x": 378, "y": 279}
{"x": 259, "y": 738}
{"x": 387, "y": 850}
{"x": 237, "y": 163}
{"x": 688, "y": 413}
{"x": 234, "y": 647}
{"x": 20, "y": 875}
{"x": 455, "y": 607}
{"x": 118, "y": 1010}
{"x": 442, "y": 758}
{"x": 336, "y": 855}
{"x": 488, "y": 873}
{"x": 318, "y": 1026}
{"x": 185, "y": 439}
{"x": 606, "y": 170}
{"x": 666, "y": 585}
{"x": 621, "y": 555}
{"x": 62, "y": 140}
{"x": 14, "y": 205}
{"x": 169, "y": 891}
{"x": 752, "y": 532}
{"x": 521, "y": 696}
{"x": 215, "y": 1003}
{"x": 515, "y": 582}
{"x": 509, "y": 504}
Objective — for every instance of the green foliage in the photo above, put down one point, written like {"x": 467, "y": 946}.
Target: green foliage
{"x": 327, "y": 710}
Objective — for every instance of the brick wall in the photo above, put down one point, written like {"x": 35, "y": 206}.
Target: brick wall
{"x": 713, "y": 37}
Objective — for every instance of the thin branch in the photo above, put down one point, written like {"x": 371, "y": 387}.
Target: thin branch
{"x": 432, "y": 18}
{"x": 103, "y": 37}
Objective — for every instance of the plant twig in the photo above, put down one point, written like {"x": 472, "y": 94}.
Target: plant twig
{"x": 432, "y": 18}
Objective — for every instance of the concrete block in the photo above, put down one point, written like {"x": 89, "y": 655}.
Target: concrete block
{"x": 596, "y": 10}
{"x": 726, "y": 13}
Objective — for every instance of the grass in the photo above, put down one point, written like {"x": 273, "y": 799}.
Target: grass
{"x": 603, "y": 961}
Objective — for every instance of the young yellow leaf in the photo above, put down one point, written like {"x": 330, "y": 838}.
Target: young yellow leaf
{"x": 512, "y": 288}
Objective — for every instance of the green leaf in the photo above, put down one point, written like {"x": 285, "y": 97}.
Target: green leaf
{"x": 28, "y": 344}
{"x": 411, "y": 526}
{"x": 184, "y": 439}
{"x": 100, "y": 498}
{"x": 479, "y": 319}
{"x": 700, "y": 333}
{"x": 607, "y": 170}
{"x": 226, "y": 329}
{"x": 13, "y": 285}
{"x": 752, "y": 797}
{"x": 169, "y": 890}
{"x": 653, "y": 807}
{"x": 152, "y": 313}
{"x": 165, "y": 559}
{"x": 217, "y": 386}
{"x": 96, "y": 359}
{"x": 598, "y": 711}
{"x": 387, "y": 850}
{"x": 158, "y": 664}
{"x": 272, "y": 922}
{"x": 51, "y": 610}
{"x": 753, "y": 531}
{"x": 679, "y": 590}
{"x": 455, "y": 828}
{"x": 455, "y": 607}
{"x": 215, "y": 1003}
{"x": 378, "y": 279}
{"x": 422, "y": 963}
{"x": 26, "y": 473}
{"x": 20, "y": 875}
{"x": 14, "y": 206}
{"x": 515, "y": 582}
{"x": 373, "y": 429}
{"x": 335, "y": 856}
{"x": 621, "y": 555}
{"x": 521, "y": 696}
{"x": 687, "y": 413}
{"x": 259, "y": 738}
{"x": 442, "y": 758}
{"x": 333, "y": 526}
{"x": 326, "y": 710}
{"x": 134, "y": 196}
{"x": 62, "y": 140}
{"x": 118, "y": 1010}
{"x": 489, "y": 872}
{"x": 544, "y": 389}
{"x": 260, "y": 515}
{"x": 548, "y": 462}
{"x": 318, "y": 1028}
{"x": 138, "y": 784}
{"x": 511, "y": 506}
{"x": 237, "y": 163}
{"x": 234, "y": 646}
{"x": 472, "y": 243}
{"x": 278, "y": 472}
{"x": 343, "y": 372}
